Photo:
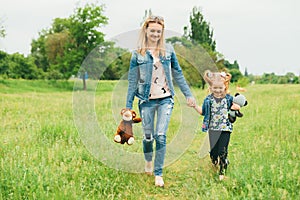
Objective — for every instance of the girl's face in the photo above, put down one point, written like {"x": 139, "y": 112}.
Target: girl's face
{"x": 218, "y": 89}
{"x": 154, "y": 32}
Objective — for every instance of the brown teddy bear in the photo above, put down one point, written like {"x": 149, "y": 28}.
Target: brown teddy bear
{"x": 124, "y": 131}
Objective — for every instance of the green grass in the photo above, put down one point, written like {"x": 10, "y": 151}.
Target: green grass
{"x": 42, "y": 155}
{"x": 9, "y": 86}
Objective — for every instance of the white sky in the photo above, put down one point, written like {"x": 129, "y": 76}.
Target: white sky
{"x": 262, "y": 35}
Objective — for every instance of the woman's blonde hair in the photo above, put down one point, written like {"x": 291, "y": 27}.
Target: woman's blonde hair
{"x": 143, "y": 41}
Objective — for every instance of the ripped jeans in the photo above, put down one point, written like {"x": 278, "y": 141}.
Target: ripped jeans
{"x": 162, "y": 108}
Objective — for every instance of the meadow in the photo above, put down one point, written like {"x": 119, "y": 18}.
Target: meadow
{"x": 43, "y": 156}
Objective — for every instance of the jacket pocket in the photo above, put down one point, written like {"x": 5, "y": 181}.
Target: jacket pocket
{"x": 140, "y": 60}
{"x": 141, "y": 87}
{"x": 166, "y": 58}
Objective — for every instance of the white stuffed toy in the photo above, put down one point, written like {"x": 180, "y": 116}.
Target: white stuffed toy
{"x": 240, "y": 100}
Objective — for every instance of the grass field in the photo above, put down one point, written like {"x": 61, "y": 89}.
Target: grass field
{"x": 42, "y": 155}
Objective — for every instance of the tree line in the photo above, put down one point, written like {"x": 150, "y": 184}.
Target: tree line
{"x": 60, "y": 51}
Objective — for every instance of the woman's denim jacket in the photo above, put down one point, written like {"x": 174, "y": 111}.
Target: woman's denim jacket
{"x": 140, "y": 75}
{"x": 206, "y": 110}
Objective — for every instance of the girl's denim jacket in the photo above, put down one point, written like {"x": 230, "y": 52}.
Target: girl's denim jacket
{"x": 140, "y": 75}
{"x": 206, "y": 110}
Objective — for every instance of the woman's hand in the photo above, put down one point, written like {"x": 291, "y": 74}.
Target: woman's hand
{"x": 191, "y": 101}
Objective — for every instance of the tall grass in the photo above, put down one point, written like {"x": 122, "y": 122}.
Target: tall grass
{"x": 43, "y": 157}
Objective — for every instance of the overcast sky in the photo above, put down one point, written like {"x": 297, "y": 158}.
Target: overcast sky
{"x": 262, "y": 35}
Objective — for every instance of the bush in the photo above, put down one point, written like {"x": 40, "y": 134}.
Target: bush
{"x": 54, "y": 75}
{"x": 242, "y": 82}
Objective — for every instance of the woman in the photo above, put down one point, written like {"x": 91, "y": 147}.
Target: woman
{"x": 152, "y": 67}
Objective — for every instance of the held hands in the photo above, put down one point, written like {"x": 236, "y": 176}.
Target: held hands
{"x": 192, "y": 103}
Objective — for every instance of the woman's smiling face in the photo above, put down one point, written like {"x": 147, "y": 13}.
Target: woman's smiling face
{"x": 154, "y": 32}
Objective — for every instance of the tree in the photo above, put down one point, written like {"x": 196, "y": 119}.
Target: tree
{"x": 119, "y": 66}
{"x": 18, "y": 66}
{"x": 55, "y": 46}
{"x": 181, "y": 41}
{"x": 235, "y": 74}
{"x": 64, "y": 46}
{"x": 2, "y": 29}
{"x": 146, "y": 15}
{"x": 198, "y": 47}
{"x": 291, "y": 77}
{"x": 4, "y": 67}
{"x": 38, "y": 51}
{"x": 246, "y": 72}
{"x": 268, "y": 78}
{"x": 193, "y": 59}
{"x": 200, "y": 31}
{"x": 85, "y": 34}
{"x": 230, "y": 66}
{"x": 234, "y": 70}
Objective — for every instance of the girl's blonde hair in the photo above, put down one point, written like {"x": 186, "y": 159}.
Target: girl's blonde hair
{"x": 211, "y": 77}
{"x": 143, "y": 41}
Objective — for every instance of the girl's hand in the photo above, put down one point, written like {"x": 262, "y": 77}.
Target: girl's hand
{"x": 235, "y": 106}
{"x": 198, "y": 109}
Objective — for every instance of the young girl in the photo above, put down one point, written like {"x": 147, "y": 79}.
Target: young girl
{"x": 215, "y": 111}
